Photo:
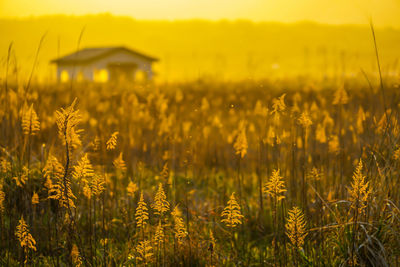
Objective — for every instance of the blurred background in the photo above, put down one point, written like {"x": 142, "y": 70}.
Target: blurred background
{"x": 224, "y": 40}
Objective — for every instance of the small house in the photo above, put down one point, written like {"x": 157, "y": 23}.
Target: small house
{"x": 104, "y": 64}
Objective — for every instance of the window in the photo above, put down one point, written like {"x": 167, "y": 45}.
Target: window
{"x": 64, "y": 76}
{"x": 140, "y": 76}
{"x": 100, "y": 76}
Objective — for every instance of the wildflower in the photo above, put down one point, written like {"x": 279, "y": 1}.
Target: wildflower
{"x": 141, "y": 212}
{"x": 159, "y": 235}
{"x": 359, "y": 191}
{"x": 278, "y": 104}
{"x": 320, "y": 134}
{"x": 240, "y": 145}
{"x": 54, "y": 173}
{"x": 296, "y": 227}
{"x": 76, "y": 258}
{"x": 52, "y": 170}
{"x": 275, "y": 186}
{"x": 396, "y": 154}
{"x": 96, "y": 144}
{"x": 217, "y": 122}
{"x": 84, "y": 169}
{"x": 22, "y": 177}
{"x": 112, "y": 142}
{"x": 314, "y": 174}
{"x": 104, "y": 241}
{"x": 333, "y": 144}
{"x": 179, "y": 226}
{"x": 87, "y": 191}
{"x": 328, "y": 120}
{"x": 231, "y": 215}
{"x": 161, "y": 204}
{"x": 385, "y": 121}
{"x": 67, "y": 120}
{"x": 94, "y": 186}
{"x": 166, "y": 124}
{"x": 131, "y": 189}
{"x": 205, "y": 106}
{"x": 340, "y": 97}
{"x": 213, "y": 242}
{"x": 165, "y": 172}
{"x": 30, "y": 121}
{"x": 62, "y": 192}
{"x": 260, "y": 110}
{"x": 178, "y": 96}
{"x": 143, "y": 250}
{"x": 35, "y": 198}
{"x": 97, "y": 185}
{"x": 2, "y": 199}
{"x": 305, "y": 120}
{"x": 361, "y": 116}
{"x": 271, "y": 136}
{"x": 25, "y": 239}
{"x": 119, "y": 163}
{"x": 5, "y": 165}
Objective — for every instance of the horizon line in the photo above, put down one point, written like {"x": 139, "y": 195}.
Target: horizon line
{"x": 229, "y": 20}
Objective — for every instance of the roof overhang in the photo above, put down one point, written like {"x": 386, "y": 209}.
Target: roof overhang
{"x": 74, "y": 58}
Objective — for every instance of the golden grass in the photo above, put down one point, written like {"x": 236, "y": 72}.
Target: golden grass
{"x": 74, "y": 172}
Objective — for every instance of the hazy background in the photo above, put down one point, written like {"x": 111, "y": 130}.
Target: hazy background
{"x": 384, "y": 12}
{"x": 222, "y": 39}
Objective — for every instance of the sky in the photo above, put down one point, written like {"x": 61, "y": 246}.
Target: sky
{"x": 384, "y": 12}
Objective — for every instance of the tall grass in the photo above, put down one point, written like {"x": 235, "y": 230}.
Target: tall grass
{"x": 140, "y": 175}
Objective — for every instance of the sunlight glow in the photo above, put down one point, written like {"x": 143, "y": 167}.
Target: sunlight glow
{"x": 384, "y": 12}
{"x": 100, "y": 76}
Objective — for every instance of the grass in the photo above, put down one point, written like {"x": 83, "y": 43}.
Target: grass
{"x": 196, "y": 144}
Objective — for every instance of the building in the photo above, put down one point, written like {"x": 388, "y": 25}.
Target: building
{"x": 103, "y": 64}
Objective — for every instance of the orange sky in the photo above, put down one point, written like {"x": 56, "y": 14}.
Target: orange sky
{"x": 384, "y": 12}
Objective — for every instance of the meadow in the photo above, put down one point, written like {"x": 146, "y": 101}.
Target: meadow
{"x": 291, "y": 172}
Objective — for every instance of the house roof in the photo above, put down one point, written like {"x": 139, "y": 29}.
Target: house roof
{"x": 92, "y": 54}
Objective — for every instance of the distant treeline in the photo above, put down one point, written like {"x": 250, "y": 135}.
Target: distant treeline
{"x": 195, "y": 49}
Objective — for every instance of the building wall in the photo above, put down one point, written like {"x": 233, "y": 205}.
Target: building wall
{"x": 75, "y": 72}
{"x": 86, "y": 71}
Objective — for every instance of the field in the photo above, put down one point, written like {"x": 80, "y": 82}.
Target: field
{"x": 293, "y": 172}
